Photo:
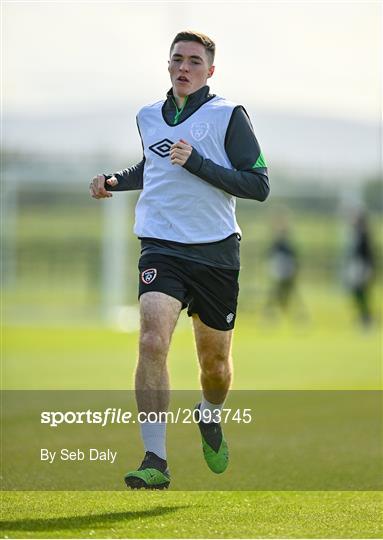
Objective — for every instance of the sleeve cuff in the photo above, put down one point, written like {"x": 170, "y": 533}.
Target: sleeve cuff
{"x": 194, "y": 162}
{"x": 107, "y": 186}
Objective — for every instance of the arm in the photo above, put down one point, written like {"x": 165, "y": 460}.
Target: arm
{"x": 250, "y": 179}
{"x": 127, "y": 179}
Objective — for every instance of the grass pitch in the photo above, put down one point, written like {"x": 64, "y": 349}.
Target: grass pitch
{"x": 192, "y": 515}
{"x": 326, "y": 353}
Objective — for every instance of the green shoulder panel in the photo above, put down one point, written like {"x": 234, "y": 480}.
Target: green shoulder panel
{"x": 260, "y": 163}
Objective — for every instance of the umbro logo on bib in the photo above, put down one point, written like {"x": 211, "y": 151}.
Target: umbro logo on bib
{"x": 161, "y": 148}
{"x": 149, "y": 275}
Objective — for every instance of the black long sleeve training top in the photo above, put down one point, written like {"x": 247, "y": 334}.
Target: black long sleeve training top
{"x": 248, "y": 180}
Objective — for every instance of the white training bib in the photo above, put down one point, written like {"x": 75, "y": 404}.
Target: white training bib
{"x": 175, "y": 204}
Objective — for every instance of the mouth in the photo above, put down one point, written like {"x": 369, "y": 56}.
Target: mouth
{"x": 182, "y": 79}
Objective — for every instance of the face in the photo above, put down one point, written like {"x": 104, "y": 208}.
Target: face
{"x": 188, "y": 67}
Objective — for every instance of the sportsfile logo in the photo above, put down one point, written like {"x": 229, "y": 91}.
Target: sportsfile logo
{"x": 114, "y": 415}
{"x": 161, "y": 148}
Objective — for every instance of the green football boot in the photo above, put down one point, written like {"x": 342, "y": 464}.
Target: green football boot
{"x": 214, "y": 445}
{"x": 152, "y": 474}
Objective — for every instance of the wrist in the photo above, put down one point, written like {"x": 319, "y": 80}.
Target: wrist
{"x": 106, "y": 177}
{"x": 194, "y": 162}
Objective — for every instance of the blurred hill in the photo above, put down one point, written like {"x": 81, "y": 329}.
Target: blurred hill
{"x": 295, "y": 145}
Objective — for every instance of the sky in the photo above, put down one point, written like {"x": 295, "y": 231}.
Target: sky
{"x": 320, "y": 58}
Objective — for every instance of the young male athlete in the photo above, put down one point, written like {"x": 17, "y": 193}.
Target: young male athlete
{"x": 200, "y": 152}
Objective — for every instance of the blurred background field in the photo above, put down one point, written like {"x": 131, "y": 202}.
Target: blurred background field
{"x": 69, "y": 287}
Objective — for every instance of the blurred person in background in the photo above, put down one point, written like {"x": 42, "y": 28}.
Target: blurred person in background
{"x": 360, "y": 262}
{"x": 283, "y": 265}
{"x": 185, "y": 219}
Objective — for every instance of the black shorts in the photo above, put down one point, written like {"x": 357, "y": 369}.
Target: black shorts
{"x": 209, "y": 292}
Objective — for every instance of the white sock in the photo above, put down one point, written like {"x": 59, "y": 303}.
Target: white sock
{"x": 154, "y": 437}
{"x": 210, "y": 416}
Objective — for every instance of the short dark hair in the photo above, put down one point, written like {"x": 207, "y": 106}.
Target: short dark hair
{"x": 190, "y": 35}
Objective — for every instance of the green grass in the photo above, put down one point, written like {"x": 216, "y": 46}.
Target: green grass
{"x": 44, "y": 358}
{"x": 325, "y": 352}
{"x": 328, "y": 352}
{"x": 193, "y": 515}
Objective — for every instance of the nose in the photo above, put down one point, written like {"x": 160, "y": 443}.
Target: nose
{"x": 184, "y": 66}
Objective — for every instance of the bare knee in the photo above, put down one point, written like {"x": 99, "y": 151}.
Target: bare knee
{"x": 216, "y": 368}
{"x": 153, "y": 346}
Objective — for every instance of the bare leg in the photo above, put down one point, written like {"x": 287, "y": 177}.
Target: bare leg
{"x": 159, "y": 315}
{"x": 214, "y": 355}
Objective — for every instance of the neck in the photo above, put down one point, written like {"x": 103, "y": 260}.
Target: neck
{"x": 180, "y": 100}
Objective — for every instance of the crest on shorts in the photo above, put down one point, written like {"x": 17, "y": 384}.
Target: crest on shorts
{"x": 229, "y": 318}
{"x": 149, "y": 275}
{"x": 199, "y": 130}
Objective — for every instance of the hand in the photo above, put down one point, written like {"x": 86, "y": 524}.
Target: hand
{"x": 180, "y": 152}
{"x": 97, "y": 186}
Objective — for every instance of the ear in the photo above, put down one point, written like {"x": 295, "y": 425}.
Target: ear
{"x": 169, "y": 66}
{"x": 210, "y": 71}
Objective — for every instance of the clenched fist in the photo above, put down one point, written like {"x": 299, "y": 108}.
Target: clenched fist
{"x": 180, "y": 152}
{"x": 97, "y": 186}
